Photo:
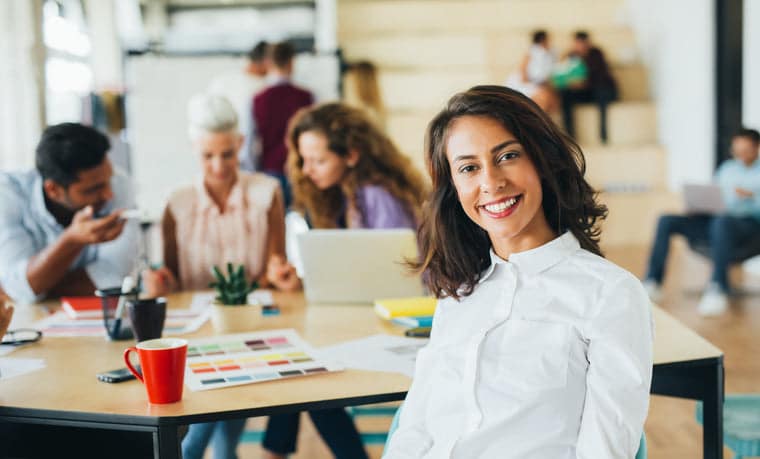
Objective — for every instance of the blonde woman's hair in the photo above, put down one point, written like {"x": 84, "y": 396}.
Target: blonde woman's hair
{"x": 380, "y": 163}
{"x": 362, "y": 90}
{"x": 208, "y": 113}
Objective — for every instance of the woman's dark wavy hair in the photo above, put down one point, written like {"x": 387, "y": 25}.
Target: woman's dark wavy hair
{"x": 454, "y": 251}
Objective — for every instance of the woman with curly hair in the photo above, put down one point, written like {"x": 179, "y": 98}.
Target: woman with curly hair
{"x": 540, "y": 347}
{"x": 345, "y": 173}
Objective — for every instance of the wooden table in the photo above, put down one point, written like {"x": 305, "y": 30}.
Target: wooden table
{"x": 688, "y": 366}
{"x": 67, "y": 393}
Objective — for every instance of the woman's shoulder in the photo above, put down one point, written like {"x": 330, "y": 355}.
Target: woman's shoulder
{"x": 183, "y": 196}
{"x": 381, "y": 209}
{"x": 258, "y": 187}
{"x": 250, "y": 180}
{"x": 375, "y": 195}
{"x": 599, "y": 268}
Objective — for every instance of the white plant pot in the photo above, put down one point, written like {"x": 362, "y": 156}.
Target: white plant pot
{"x": 235, "y": 319}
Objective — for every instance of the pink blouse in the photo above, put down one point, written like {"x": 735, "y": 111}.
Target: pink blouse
{"x": 206, "y": 237}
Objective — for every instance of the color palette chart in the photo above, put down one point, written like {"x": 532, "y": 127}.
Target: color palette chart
{"x": 234, "y": 360}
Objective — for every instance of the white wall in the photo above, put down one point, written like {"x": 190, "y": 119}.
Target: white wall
{"x": 676, "y": 40}
{"x": 159, "y": 88}
{"x": 751, "y": 77}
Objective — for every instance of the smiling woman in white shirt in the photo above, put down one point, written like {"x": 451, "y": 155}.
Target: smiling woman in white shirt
{"x": 540, "y": 347}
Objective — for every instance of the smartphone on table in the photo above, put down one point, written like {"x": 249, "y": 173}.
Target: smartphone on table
{"x": 418, "y": 332}
{"x": 117, "y": 376}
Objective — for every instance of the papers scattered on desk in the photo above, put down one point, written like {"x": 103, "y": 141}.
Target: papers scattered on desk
{"x": 11, "y": 367}
{"x": 178, "y": 321}
{"x": 234, "y": 360}
{"x": 395, "y": 354}
{"x": 5, "y": 350}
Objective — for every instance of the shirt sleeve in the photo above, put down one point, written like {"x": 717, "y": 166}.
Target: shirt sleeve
{"x": 16, "y": 248}
{"x": 116, "y": 259}
{"x": 619, "y": 373}
{"x": 411, "y": 438}
{"x": 380, "y": 209}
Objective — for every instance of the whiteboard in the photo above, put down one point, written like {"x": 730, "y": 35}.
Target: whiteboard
{"x": 159, "y": 88}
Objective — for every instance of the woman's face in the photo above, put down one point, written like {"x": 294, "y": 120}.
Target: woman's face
{"x": 497, "y": 184}
{"x": 219, "y": 160}
{"x": 322, "y": 166}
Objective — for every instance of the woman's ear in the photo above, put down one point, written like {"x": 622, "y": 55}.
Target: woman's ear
{"x": 353, "y": 158}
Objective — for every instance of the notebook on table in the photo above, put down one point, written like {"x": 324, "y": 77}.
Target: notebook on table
{"x": 358, "y": 266}
{"x": 703, "y": 199}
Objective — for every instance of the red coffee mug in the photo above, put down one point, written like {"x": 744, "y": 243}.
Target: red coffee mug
{"x": 163, "y": 368}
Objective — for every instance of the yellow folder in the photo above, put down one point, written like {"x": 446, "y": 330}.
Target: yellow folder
{"x": 405, "y": 307}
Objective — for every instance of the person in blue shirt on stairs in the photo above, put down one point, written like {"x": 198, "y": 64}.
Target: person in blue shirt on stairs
{"x": 726, "y": 234}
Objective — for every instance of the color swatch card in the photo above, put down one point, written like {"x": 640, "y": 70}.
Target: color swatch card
{"x": 233, "y": 360}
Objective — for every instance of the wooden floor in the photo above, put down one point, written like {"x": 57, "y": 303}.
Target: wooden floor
{"x": 671, "y": 429}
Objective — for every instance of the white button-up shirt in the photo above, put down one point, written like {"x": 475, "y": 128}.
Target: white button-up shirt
{"x": 550, "y": 357}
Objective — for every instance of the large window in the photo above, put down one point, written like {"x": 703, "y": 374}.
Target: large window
{"x": 68, "y": 73}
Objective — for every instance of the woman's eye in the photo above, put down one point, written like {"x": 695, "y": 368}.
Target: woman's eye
{"x": 467, "y": 169}
{"x": 509, "y": 155}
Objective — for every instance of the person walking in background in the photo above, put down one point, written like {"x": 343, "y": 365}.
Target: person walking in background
{"x": 361, "y": 90}
{"x": 239, "y": 88}
{"x": 599, "y": 86}
{"x": 272, "y": 110}
{"x": 725, "y": 235}
{"x": 533, "y": 76}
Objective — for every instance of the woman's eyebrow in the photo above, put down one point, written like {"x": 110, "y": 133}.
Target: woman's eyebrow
{"x": 503, "y": 145}
{"x": 494, "y": 150}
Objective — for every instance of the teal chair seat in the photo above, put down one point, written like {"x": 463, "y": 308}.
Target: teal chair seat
{"x": 641, "y": 454}
{"x": 741, "y": 424}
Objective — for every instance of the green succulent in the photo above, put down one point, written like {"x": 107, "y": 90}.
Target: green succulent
{"x": 233, "y": 289}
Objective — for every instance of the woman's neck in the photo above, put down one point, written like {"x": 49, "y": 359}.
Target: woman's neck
{"x": 219, "y": 193}
{"x": 536, "y": 234}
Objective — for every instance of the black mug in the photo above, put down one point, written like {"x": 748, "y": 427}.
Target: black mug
{"x": 147, "y": 316}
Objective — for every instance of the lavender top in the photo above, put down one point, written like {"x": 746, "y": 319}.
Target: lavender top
{"x": 380, "y": 209}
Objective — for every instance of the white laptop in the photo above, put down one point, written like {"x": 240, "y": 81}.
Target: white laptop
{"x": 703, "y": 199}
{"x": 357, "y": 266}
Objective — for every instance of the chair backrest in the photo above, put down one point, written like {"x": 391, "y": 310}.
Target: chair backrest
{"x": 640, "y": 454}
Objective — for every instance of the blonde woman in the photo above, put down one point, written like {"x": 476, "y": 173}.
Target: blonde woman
{"x": 226, "y": 216}
{"x": 361, "y": 90}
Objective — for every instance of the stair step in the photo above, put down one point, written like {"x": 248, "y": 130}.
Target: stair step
{"x": 633, "y": 216}
{"x": 628, "y": 122}
{"x": 626, "y": 167}
{"x": 424, "y": 90}
{"x": 500, "y": 52}
{"x": 392, "y": 16}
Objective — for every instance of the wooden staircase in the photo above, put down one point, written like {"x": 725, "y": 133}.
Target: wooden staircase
{"x": 427, "y": 50}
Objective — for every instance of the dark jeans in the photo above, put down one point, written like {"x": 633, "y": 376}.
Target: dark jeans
{"x": 335, "y": 426}
{"x": 724, "y": 235}
{"x": 601, "y": 96}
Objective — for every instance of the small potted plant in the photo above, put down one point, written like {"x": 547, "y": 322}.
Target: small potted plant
{"x": 231, "y": 311}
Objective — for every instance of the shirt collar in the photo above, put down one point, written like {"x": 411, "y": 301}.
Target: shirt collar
{"x": 534, "y": 261}
{"x": 234, "y": 200}
{"x": 38, "y": 202}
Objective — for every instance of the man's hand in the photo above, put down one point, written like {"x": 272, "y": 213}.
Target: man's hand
{"x": 158, "y": 282}
{"x": 6, "y": 312}
{"x": 84, "y": 229}
{"x": 282, "y": 274}
{"x": 744, "y": 193}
